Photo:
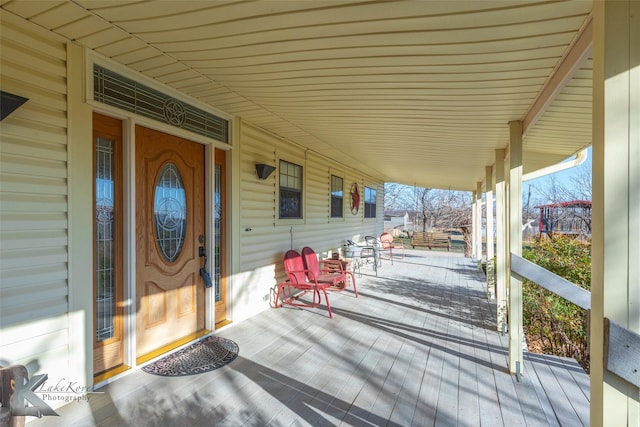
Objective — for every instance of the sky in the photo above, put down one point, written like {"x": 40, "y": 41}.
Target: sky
{"x": 562, "y": 177}
{"x": 566, "y": 174}
{"x": 537, "y": 185}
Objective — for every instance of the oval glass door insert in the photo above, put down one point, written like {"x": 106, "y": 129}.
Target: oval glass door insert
{"x": 170, "y": 212}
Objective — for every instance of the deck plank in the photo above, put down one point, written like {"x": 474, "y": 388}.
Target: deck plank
{"x": 447, "y": 412}
{"x": 429, "y": 394}
{"x": 419, "y": 347}
{"x": 400, "y": 373}
{"x": 546, "y": 415}
{"x": 557, "y": 380}
{"x": 489, "y": 404}
{"x": 469, "y": 402}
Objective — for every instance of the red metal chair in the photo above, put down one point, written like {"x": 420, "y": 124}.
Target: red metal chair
{"x": 299, "y": 281}
{"x": 390, "y": 245}
{"x": 329, "y": 271}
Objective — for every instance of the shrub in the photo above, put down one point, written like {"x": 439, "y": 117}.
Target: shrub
{"x": 553, "y": 325}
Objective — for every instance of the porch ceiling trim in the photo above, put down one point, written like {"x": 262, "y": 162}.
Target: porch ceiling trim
{"x": 419, "y": 93}
{"x": 566, "y": 68}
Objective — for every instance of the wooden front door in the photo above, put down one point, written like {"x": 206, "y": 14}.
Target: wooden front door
{"x": 170, "y": 206}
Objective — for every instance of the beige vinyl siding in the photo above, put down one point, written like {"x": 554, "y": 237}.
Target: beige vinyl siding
{"x": 318, "y": 188}
{"x": 264, "y": 238}
{"x": 33, "y": 202}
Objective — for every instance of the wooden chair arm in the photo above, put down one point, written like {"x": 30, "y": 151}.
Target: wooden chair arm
{"x": 328, "y": 265}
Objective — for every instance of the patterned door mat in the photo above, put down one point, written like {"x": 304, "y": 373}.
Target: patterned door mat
{"x": 203, "y": 356}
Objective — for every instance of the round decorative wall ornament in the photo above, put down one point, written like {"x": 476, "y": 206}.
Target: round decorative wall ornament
{"x": 355, "y": 198}
{"x": 174, "y": 112}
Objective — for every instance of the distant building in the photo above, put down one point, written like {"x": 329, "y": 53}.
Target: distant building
{"x": 398, "y": 223}
{"x": 572, "y": 217}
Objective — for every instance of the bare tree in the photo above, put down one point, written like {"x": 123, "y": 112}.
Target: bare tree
{"x": 434, "y": 208}
{"x": 426, "y": 206}
{"x": 581, "y": 184}
{"x": 552, "y": 191}
{"x": 457, "y": 215}
{"x": 447, "y": 210}
{"x": 397, "y": 197}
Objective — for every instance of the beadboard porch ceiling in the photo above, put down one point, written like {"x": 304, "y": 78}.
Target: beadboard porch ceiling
{"x": 417, "y": 92}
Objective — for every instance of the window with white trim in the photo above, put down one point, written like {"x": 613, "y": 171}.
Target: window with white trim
{"x": 369, "y": 202}
{"x": 337, "y": 196}
{"x": 290, "y": 190}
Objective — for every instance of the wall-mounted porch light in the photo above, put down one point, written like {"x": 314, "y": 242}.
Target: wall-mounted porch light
{"x": 9, "y": 103}
{"x": 264, "y": 171}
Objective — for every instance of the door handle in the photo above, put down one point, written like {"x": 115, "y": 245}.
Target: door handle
{"x": 202, "y": 253}
{"x": 206, "y": 277}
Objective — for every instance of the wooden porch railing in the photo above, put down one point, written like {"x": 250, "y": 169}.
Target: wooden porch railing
{"x": 622, "y": 346}
{"x": 525, "y": 269}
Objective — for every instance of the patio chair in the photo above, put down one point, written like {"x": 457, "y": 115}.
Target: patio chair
{"x": 299, "y": 281}
{"x": 371, "y": 252}
{"x": 353, "y": 254}
{"x": 390, "y": 245}
{"x": 329, "y": 271}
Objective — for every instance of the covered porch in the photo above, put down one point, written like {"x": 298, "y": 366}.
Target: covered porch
{"x": 418, "y": 347}
{"x": 465, "y": 95}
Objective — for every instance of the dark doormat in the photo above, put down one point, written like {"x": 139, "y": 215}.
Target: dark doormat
{"x": 203, "y": 356}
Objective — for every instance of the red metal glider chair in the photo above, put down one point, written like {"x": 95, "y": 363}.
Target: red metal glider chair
{"x": 329, "y": 271}
{"x": 390, "y": 245}
{"x": 299, "y": 283}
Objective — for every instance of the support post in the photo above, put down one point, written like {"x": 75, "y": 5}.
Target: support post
{"x": 491, "y": 283}
{"x": 80, "y": 201}
{"x": 515, "y": 246}
{"x": 477, "y": 227}
{"x": 474, "y": 219}
{"x": 501, "y": 239}
{"x": 615, "y": 270}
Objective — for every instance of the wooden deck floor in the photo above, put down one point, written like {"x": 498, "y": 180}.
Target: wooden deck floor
{"x": 417, "y": 348}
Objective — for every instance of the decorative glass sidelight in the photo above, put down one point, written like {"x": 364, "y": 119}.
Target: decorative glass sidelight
{"x": 170, "y": 212}
{"x": 105, "y": 239}
{"x": 217, "y": 255}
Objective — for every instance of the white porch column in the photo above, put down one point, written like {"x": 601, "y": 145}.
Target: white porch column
{"x": 615, "y": 281}
{"x": 514, "y": 245}
{"x": 491, "y": 291}
{"x": 80, "y": 178}
{"x": 501, "y": 247}
{"x": 474, "y": 220}
{"x": 477, "y": 227}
